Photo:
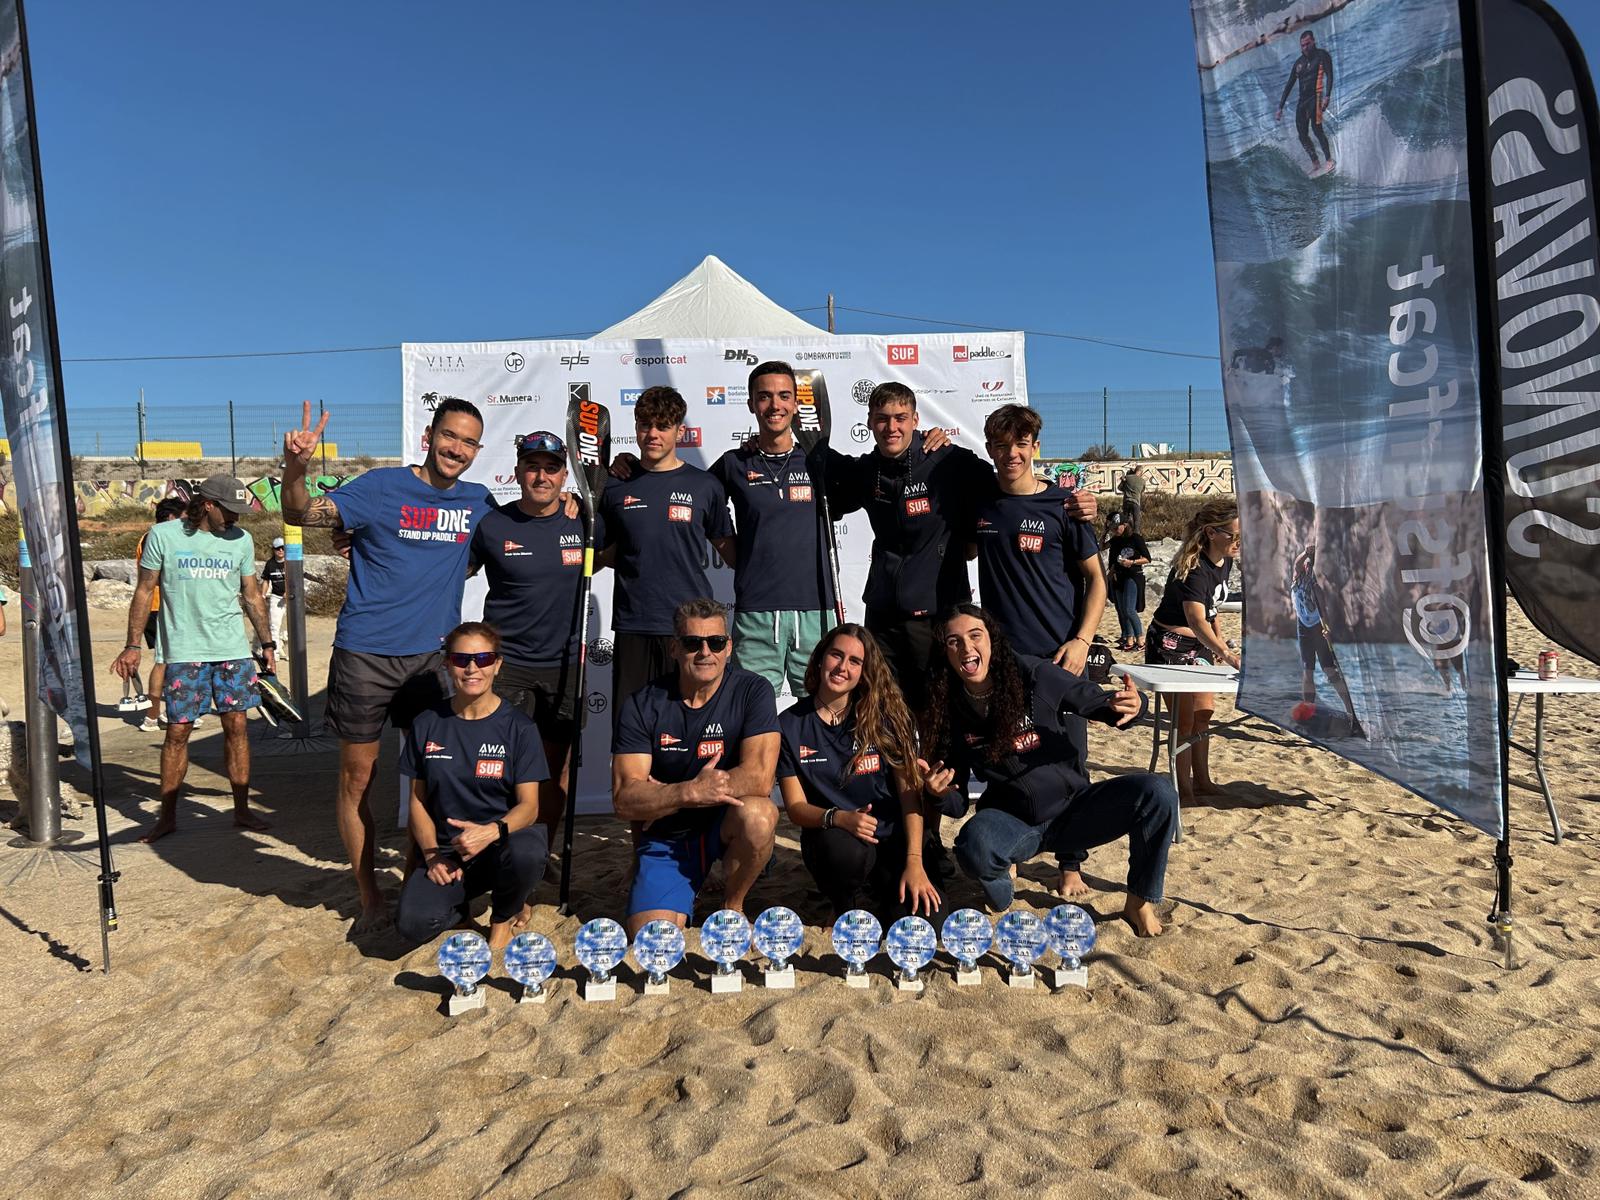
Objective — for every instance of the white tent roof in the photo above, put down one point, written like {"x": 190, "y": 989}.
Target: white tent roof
{"x": 711, "y": 301}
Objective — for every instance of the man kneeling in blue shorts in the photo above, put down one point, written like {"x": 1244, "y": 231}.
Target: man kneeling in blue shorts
{"x": 693, "y": 760}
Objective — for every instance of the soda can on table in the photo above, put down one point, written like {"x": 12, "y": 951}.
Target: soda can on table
{"x": 1549, "y": 664}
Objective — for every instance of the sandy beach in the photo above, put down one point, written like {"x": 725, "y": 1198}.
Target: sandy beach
{"x": 1325, "y": 1017}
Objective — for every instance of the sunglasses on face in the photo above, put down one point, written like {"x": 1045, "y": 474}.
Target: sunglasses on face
{"x": 483, "y": 658}
{"x": 717, "y": 641}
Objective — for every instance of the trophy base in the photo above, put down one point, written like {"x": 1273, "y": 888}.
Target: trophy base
{"x": 1073, "y": 977}
{"x": 463, "y": 1004}
{"x": 908, "y": 983}
{"x": 593, "y": 991}
{"x": 970, "y": 978}
{"x": 783, "y": 979}
{"x": 1018, "y": 980}
{"x": 731, "y": 982}
{"x": 652, "y": 988}
{"x": 857, "y": 979}
{"x": 534, "y": 995}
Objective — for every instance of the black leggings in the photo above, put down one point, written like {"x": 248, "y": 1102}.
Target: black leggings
{"x": 1305, "y": 123}
{"x": 856, "y": 874}
{"x": 508, "y": 871}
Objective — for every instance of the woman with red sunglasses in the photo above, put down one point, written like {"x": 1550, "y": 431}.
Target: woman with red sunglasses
{"x": 476, "y": 763}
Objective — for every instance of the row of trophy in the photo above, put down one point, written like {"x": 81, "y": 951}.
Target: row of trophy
{"x": 1021, "y": 937}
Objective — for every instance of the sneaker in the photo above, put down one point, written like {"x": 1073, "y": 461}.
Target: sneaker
{"x": 151, "y": 725}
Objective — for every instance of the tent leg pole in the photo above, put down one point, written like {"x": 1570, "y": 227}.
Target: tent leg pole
{"x": 1500, "y": 918}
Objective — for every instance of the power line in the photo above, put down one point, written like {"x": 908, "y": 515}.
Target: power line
{"x": 538, "y": 337}
{"x": 1071, "y": 337}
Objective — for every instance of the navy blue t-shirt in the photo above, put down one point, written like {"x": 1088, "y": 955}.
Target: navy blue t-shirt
{"x": 1048, "y": 760}
{"x": 1206, "y": 584}
{"x": 1029, "y": 577}
{"x": 680, "y": 739}
{"x": 820, "y": 756}
{"x": 660, "y": 522}
{"x": 408, "y": 559}
{"x": 534, "y": 566}
{"x": 782, "y": 563}
{"x": 472, "y": 768}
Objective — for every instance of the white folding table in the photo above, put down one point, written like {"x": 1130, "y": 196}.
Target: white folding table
{"x": 1176, "y": 681}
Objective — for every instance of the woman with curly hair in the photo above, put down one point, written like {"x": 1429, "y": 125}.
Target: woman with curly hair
{"x": 1018, "y": 723}
{"x": 1185, "y": 630}
{"x": 847, "y": 769}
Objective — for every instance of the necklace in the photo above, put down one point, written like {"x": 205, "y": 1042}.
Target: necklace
{"x": 775, "y": 462}
{"x": 834, "y": 713}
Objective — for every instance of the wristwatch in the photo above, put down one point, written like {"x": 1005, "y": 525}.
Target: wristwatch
{"x": 505, "y": 833}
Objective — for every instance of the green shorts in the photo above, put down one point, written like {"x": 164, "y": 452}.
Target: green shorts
{"x": 777, "y": 645}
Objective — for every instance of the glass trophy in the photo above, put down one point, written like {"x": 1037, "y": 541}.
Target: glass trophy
{"x": 725, "y": 939}
{"x": 601, "y": 945}
{"x": 912, "y": 944}
{"x": 465, "y": 958}
{"x": 530, "y": 959}
{"x": 657, "y": 948}
{"x": 1071, "y": 933}
{"x": 857, "y": 936}
{"x": 1021, "y": 938}
{"x": 967, "y": 936}
{"x": 779, "y": 934}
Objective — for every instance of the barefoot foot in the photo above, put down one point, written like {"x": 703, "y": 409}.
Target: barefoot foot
{"x": 1209, "y": 787}
{"x": 248, "y": 820}
{"x": 1073, "y": 885}
{"x": 373, "y": 917}
{"x": 520, "y": 921}
{"x": 159, "y": 830}
{"x": 499, "y": 935}
{"x": 1141, "y": 914}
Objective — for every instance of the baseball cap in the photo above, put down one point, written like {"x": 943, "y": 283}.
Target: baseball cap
{"x": 228, "y": 492}
{"x": 1117, "y": 518}
{"x": 541, "y": 441}
{"x": 277, "y": 543}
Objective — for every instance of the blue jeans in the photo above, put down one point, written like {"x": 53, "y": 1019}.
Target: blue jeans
{"x": 1143, "y": 808}
{"x": 1125, "y": 595}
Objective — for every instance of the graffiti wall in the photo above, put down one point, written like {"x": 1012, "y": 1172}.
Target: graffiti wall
{"x": 1176, "y": 476}
{"x": 99, "y": 496}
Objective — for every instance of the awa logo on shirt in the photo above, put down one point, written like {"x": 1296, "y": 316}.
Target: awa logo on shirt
{"x": 492, "y": 749}
{"x": 712, "y": 730}
{"x": 1030, "y": 539}
{"x": 709, "y": 749}
{"x": 435, "y": 524}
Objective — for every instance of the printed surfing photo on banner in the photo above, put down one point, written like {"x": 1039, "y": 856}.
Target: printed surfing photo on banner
{"x": 1348, "y": 308}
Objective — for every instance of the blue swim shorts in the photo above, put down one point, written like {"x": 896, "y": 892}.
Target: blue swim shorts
{"x": 194, "y": 689}
{"x": 672, "y": 870}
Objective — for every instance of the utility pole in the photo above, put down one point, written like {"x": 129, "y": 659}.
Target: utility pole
{"x": 1105, "y": 411}
{"x": 830, "y": 312}
{"x": 139, "y": 449}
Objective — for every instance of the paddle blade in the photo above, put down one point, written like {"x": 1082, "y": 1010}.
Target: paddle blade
{"x": 813, "y": 420}
{"x": 588, "y": 441}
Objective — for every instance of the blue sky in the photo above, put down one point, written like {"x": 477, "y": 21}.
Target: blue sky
{"x": 226, "y": 177}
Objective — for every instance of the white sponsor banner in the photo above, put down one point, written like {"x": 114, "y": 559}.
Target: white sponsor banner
{"x": 959, "y": 378}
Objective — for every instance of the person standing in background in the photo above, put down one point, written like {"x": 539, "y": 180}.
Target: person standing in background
{"x": 275, "y": 583}
{"x": 169, "y": 509}
{"x": 1132, "y": 489}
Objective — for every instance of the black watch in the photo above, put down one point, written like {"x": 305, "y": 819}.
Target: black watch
{"x": 269, "y": 645}
{"x": 505, "y": 833}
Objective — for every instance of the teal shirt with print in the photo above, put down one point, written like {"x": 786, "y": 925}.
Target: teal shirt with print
{"x": 200, "y": 619}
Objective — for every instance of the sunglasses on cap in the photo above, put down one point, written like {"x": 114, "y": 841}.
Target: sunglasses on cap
{"x": 717, "y": 641}
{"x": 541, "y": 442}
{"x": 483, "y": 658}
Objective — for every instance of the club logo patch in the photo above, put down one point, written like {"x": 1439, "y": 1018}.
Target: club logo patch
{"x": 668, "y": 740}
{"x": 431, "y": 748}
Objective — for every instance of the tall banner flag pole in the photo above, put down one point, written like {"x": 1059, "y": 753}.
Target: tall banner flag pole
{"x": 1543, "y": 130}
{"x": 1347, "y": 250}
{"x": 35, "y": 418}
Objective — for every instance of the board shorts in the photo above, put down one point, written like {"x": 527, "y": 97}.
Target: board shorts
{"x": 193, "y": 689}
{"x": 672, "y": 870}
{"x": 545, "y": 695}
{"x": 1164, "y": 648}
{"x": 1315, "y": 647}
{"x": 367, "y": 690}
{"x": 777, "y": 645}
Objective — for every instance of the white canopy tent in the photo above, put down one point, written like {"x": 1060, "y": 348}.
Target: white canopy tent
{"x": 711, "y": 301}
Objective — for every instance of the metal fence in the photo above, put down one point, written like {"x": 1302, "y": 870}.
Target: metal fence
{"x": 1186, "y": 421}
{"x": 1190, "y": 422}
{"x": 226, "y": 430}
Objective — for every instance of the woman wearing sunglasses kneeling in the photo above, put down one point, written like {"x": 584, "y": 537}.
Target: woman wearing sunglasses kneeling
{"x": 847, "y": 769}
{"x": 476, "y": 764}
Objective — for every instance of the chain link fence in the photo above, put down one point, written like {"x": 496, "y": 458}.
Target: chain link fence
{"x": 1189, "y": 422}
